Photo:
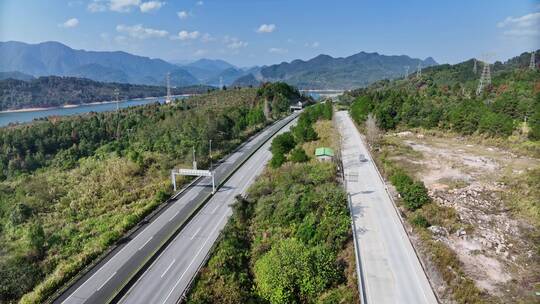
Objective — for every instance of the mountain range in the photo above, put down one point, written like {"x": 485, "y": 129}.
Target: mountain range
{"x": 326, "y": 72}
{"x": 23, "y": 61}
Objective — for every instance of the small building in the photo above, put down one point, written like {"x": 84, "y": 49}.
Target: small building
{"x": 324, "y": 154}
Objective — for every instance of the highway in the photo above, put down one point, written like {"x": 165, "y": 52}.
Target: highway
{"x": 167, "y": 278}
{"x": 184, "y": 252}
{"x": 390, "y": 271}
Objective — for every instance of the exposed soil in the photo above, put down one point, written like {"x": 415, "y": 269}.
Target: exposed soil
{"x": 492, "y": 242}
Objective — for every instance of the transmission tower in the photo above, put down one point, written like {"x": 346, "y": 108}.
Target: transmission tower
{"x": 406, "y": 71}
{"x": 419, "y": 70}
{"x": 168, "y": 98}
{"x": 485, "y": 79}
{"x": 117, "y": 98}
{"x": 474, "y": 69}
{"x": 532, "y": 65}
{"x": 221, "y": 83}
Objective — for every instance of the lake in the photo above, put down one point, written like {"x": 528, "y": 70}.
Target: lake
{"x": 19, "y": 117}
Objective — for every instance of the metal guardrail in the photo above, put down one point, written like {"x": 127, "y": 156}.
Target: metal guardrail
{"x": 359, "y": 265}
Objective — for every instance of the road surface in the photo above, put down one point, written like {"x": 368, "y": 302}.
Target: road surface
{"x": 390, "y": 268}
{"x": 168, "y": 277}
{"x": 110, "y": 276}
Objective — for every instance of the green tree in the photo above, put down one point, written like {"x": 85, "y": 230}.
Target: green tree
{"x": 298, "y": 155}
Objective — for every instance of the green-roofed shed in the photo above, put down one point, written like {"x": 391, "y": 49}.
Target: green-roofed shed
{"x": 324, "y": 154}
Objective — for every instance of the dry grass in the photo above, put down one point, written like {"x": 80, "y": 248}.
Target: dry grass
{"x": 326, "y": 138}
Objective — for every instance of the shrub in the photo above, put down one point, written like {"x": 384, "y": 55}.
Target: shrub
{"x": 298, "y": 155}
{"x": 282, "y": 143}
{"x": 277, "y": 160}
{"x": 420, "y": 221}
{"x": 414, "y": 193}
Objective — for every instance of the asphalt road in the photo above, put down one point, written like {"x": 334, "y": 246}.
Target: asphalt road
{"x": 112, "y": 274}
{"x": 391, "y": 270}
{"x": 166, "y": 280}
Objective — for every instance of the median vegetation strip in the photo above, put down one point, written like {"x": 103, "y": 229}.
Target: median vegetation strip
{"x": 73, "y": 186}
{"x": 288, "y": 241}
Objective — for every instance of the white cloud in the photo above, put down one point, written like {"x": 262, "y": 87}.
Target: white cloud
{"x": 123, "y": 5}
{"x": 200, "y": 53}
{"x": 314, "y": 45}
{"x": 234, "y": 43}
{"x": 207, "y": 38}
{"x": 526, "y": 25}
{"x": 120, "y": 39}
{"x": 70, "y": 23}
{"x": 140, "y": 32}
{"x": 185, "y": 35}
{"x": 151, "y": 6}
{"x": 266, "y": 28}
{"x": 523, "y": 21}
{"x": 182, "y": 14}
{"x": 96, "y": 6}
{"x": 199, "y": 3}
{"x": 278, "y": 50}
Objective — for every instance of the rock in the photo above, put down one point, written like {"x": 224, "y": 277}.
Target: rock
{"x": 438, "y": 230}
{"x": 461, "y": 232}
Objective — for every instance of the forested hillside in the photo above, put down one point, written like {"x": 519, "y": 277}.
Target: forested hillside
{"x": 445, "y": 97}
{"x": 355, "y": 71}
{"x": 73, "y": 186}
{"x": 53, "y": 91}
{"x": 289, "y": 240}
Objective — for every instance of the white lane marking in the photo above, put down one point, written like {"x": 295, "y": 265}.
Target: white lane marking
{"x": 218, "y": 205}
{"x": 194, "y": 258}
{"x": 195, "y": 234}
{"x": 172, "y": 217}
{"x": 174, "y": 260}
{"x": 142, "y": 246}
{"x": 107, "y": 280}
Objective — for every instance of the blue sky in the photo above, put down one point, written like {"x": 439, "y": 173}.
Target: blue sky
{"x": 256, "y": 32}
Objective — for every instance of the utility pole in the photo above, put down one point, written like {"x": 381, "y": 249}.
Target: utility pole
{"x": 210, "y": 152}
{"x": 194, "y": 160}
{"x": 485, "y": 79}
{"x": 532, "y": 65}
{"x": 419, "y": 70}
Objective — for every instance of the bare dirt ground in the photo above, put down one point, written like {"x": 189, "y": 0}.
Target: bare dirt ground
{"x": 493, "y": 241}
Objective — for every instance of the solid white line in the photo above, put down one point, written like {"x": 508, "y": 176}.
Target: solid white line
{"x": 172, "y": 217}
{"x": 195, "y": 234}
{"x": 168, "y": 268}
{"x": 107, "y": 280}
{"x": 142, "y": 246}
{"x": 194, "y": 258}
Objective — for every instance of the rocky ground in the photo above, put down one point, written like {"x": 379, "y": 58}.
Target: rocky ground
{"x": 493, "y": 241}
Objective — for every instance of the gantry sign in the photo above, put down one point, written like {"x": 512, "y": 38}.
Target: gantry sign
{"x": 192, "y": 172}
